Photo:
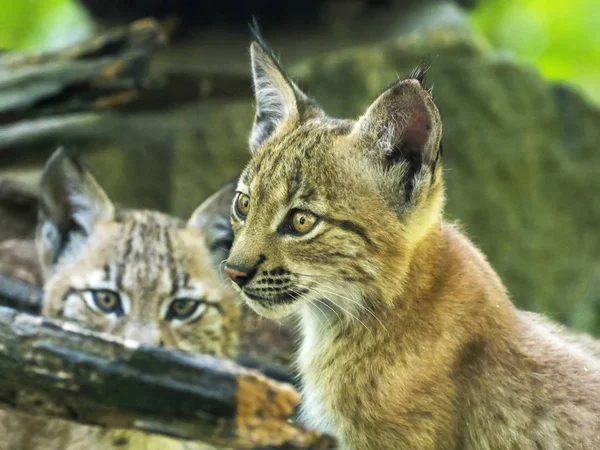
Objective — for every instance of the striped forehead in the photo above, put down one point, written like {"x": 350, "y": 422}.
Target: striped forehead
{"x": 287, "y": 161}
{"x": 144, "y": 255}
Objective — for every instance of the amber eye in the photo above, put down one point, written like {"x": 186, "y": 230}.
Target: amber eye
{"x": 303, "y": 221}
{"x": 106, "y": 301}
{"x": 184, "y": 308}
{"x": 242, "y": 205}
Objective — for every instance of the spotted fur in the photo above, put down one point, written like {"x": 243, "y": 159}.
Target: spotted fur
{"x": 151, "y": 260}
{"x": 409, "y": 339}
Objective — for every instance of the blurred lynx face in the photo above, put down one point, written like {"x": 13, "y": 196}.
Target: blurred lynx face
{"x": 325, "y": 205}
{"x": 140, "y": 275}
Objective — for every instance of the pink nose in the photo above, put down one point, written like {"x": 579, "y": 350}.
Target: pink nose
{"x": 238, "y": 277}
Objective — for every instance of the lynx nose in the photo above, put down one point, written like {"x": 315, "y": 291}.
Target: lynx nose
{"x": 240, "y": 276}
{"x": 242, "y": 272}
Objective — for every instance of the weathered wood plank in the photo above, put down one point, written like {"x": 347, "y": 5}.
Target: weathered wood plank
{"x": 61, "y": 370}
{"x": 100, "y": 73}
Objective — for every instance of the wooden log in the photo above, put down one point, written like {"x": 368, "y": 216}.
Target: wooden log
{"x": 271, "y": 370}
{"x": 60, "y": 370}
{"x": 104, "y": 72}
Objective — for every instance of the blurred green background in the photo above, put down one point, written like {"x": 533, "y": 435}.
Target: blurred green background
{"x": 42, "y": 24}
{"x": 561, "y": 38}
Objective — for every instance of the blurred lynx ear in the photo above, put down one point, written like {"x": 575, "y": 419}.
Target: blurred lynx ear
{"x": 403, "y": 129}
{"x": 277, "y": 97}
{"x": 71, "y": 204}
{"x": 212, "y": 219}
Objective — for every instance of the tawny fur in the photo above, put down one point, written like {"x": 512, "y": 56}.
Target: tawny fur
{"x": 410, "y": 340}
{"x": 150, "y": 259}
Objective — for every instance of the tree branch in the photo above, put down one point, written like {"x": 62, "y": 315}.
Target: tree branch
{"x": 100, "y": 73}
{"x": 60, "y": 370}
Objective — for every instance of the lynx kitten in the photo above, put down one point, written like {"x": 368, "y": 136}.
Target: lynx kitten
{"x": 409, "y": 338}
{"x": 136, "y": 274}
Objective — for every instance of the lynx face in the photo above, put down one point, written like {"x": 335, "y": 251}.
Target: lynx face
{"x": 140, "y": 275}
{"x": 324, "y": 204}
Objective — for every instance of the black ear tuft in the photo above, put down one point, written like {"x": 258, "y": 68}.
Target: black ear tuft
{"x": 420, "y": 74}
{"x": 256, "y": 33}
{"x": 255, "y": 29}
{"x": 260, "y": 40}
{"x": 277, "y": 98}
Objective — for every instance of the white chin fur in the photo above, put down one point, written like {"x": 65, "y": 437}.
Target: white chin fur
{"x": 273, "y": 311}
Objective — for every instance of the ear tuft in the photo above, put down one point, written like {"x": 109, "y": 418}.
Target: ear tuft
{"x": 71, "y": 203}
{"x": 277, "y": 97}
{"x": 260, "y": 40}
{"x": 420, "y": 74}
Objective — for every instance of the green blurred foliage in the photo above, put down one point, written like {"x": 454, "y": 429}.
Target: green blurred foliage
{"x": 42, "y": 24}
{"x": 561, "y": 38}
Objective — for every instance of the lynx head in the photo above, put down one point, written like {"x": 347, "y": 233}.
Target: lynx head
{"x": 136, "y": 274}
{"x": 328, "y": 211}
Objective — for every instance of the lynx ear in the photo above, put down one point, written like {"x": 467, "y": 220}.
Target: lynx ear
{"x": 276, "y": 96}
{"x": 212, "y": 218}
{"x": 403, "y": 128}
{"x": 71, "y": 204}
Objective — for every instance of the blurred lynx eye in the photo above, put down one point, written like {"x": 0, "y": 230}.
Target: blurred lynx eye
{"x": 303, "y": 221}
{"x": 242, "y": 205}
{"x": 104, "y": 300}
{"x": 185, "y": 308}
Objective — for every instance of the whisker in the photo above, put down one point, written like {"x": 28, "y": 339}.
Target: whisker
{"x": 352, "y": 316}
{"x": 321, "y": 311}
{"x": 315, "y": 276}
{"x": 355, "y": 302}
{"x": 334, "y": 311}
{"x": 313, "y": 304}
{"x": 361, "y": 306}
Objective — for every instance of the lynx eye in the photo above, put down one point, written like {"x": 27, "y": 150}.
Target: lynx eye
{"x": 242, "y": 205}
{"x": 185, "y": 309}
{"x": 104, "y": 300}
{"x": 303, "y": 221}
